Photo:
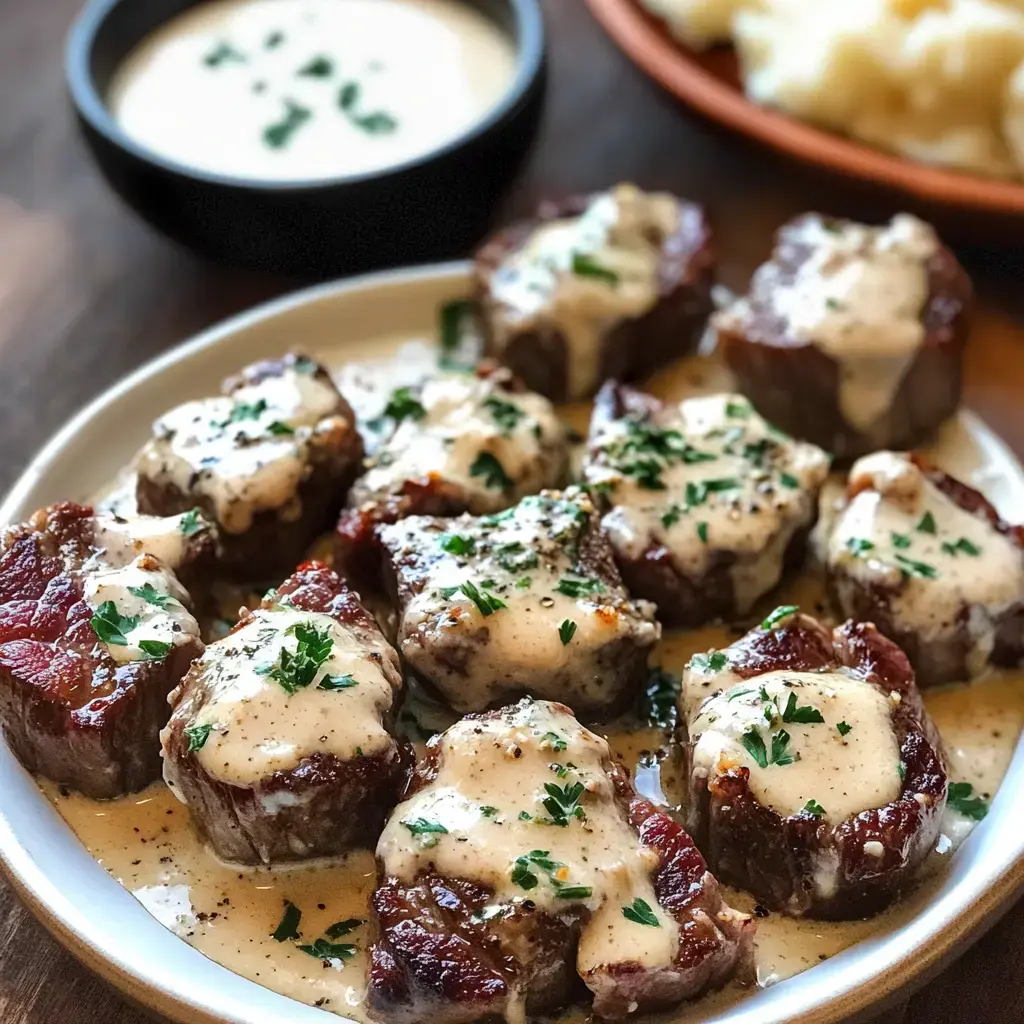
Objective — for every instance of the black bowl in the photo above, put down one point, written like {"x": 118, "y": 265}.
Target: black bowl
{"x": 432, "y": 207}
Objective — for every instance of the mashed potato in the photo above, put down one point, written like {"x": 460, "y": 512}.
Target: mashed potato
{"x": 940, "y": 81}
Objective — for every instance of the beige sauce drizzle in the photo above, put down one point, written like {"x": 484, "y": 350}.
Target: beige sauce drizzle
{"x": 556, "y": 279}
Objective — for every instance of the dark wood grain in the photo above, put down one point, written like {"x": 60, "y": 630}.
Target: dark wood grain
{"x": 87, "y": 293}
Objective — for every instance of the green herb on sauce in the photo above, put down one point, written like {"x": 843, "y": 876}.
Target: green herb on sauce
{"x": 487, "y": 604}
{"x": 376, "y": 123}
{"x": 297, "y": 670}
{"x": 587, "y": 266}
{"x": 488, "y": 810}
{"x": 506, "y": 414}
{"x": 961, "y": 799}
{"x": 737, "y": 410}
{"x": 488, "y": 467}
{"x": 241, "y": 411}
{"x": 280, "y": 429}
{"x": 859, "y": 546}
{"x": 963, "y": 545}
{"x": 713, "y": 661}
{"x": 658, "y": 701}
{"x": 456, "y": 544}
{"x": 111, "y": 626}
{"x": 514, "y": 557}
{"x": 566, "y": 631}
{"x": 190, "y": 523}
{"x": 342, "y": 928}
{"x": 554, "y": 742}
{"x": 909, "y": 568}
{"x": 324, "y": 949}
{"x": 148, "y": 593}
{"x": 223, "y": 53}
{"x": 404, "y": 405}
{"x": 788, "y": 480}
{"x": 345, "y": 682}
{"x": 279, "y": 134}
{"x": 562, "y": 802}
{"x": 844, "y": 728}
{"x": 318, "y": 67}
{"x": 452, "y": 320}
{"x": 899, "y": 540}
{"x": 155, "y": 649}
{"x": 427, "y": 831}
{"x": 813, "y": 807}
{"x": 574, "y": 892}
{"x": 197, "y": 735}
{"x": 640, "y": 912}
{"x": 573, "y": 585}
{"x": 522, "y": 875}
{"x": 805, "y": 715}
{"x": 754, "y": 744}
{"x": 702, "y": 532}
{"x": 288, "y": 929}
{"x": 273, "y": 40}
{"x": 927, "y": 524}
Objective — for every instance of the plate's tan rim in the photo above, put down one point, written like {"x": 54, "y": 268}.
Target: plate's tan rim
{"x": 855, "y": 983}
{"x": 649, "y": 45}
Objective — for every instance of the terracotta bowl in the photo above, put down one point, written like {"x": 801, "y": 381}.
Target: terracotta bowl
{"x": 709, "y": 82}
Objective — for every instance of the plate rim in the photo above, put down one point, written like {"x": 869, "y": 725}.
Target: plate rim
{"x": 943, "y": 927}
{"x": 650, "y": 45}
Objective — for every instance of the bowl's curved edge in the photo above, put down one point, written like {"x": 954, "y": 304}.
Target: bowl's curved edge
{"x": 853, "y": 983}
{"x": 652, "y": 48}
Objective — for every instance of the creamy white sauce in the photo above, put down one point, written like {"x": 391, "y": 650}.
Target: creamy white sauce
{"x": 297, "y": 89}
{"x": 246, "y": 452}
{"x": 457, "y": 419}
{"x": 150, "y": 605}
{"x": 729, "y": 483}
{"x": 858, "y": 298}
{"x": 526, "y": 559}
{"x": 543, "y": 285}
{"x": 900, "y": 532}
{"x": 121, "y": 539}
{"x": 504, "y": 763}
{"x": 842, "y": 774}
{"x": 258, "y": 727}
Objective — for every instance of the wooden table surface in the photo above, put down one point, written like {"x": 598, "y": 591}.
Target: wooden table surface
{"x": 87, "y": 293}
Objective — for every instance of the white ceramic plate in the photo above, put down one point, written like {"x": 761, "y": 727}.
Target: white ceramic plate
{"x": 111, "y": 931}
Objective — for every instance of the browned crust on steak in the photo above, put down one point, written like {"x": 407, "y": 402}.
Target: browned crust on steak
{"x": 430, "y": 960}
{"x": 753, "y": 847}
{"x": 795, "y": 385}
{"x": 633, "y": 348}
{"x": 274, "y": 544}
{"x": 684, "y": 601}
{"x": 69, "y": 710}
{"x": 342, "y": 803}
{"x": 936, "y": 660}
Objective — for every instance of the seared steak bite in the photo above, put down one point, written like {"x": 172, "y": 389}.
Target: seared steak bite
{"x": 522, "y": 861}
{"x": 929, "y": 561}
{"x": 817, "y": 780}
{"x": 852, "y": 336}
{"x": 525, "y": 601}
{"x": 614, "y": 284}
{"x": 280, "y": 741}
{"x": 93, "y": 636}
{"x": 454, "y": 443}
{"x": 706, "y": 503}
{"x": 269, "y": 461}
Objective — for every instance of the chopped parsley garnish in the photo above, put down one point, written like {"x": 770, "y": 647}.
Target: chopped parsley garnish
{"x": 962, "y": 545}
{"x": 961, "y": 799}
{"x": 523, "y": 583}
{"x": 805, "y": 715}
{"x": 899, "y": 540}
{"x": 373, "y": 124}
{"x": 428, "y": 832}
{"x": 506, "y": 414}
{"x": 487, "y": 466}
{"x": 324, "y": 949}
{"x": 647, "y": 473}
{"x": 671, "y": 517}
{"x": 901, "y": 770}
{"x": 657, "y": 706}
{"x": 573, "y": 585}
{"x": 273, "y": 41}
{"x": 813, "y": 807}
{"x": 487, "y": 604}
{"x": 404, "y": 405}
{"x": 154, "y": 649}
{"x": 725, "y": 484}
{"x": 456, "y": 544}
{"x": 289, "y": 926}
{"x": 525, "y": 816}
{"x": 318, "y": 67}
{"x": 451, "y": 318}
{"x": 280, "y": 429}
{"x": 737, "y": 410}
{"x": 278, "y": 135}
{"x": 587, "y": 266}
{"x": 514, "y": 557}
{"x": 522, "y": 875}
{"x": 488, "y": 810}
{"x": 562, "y": 802}
{"x": 298, "y": 670}
{"x": 702, "y": 532}
{"x": 111, "y": 626}
{"x": 754, "y": 743}
{"x": 927, "y": 524}
{"x": 148, "y": 593}
{"x": 859, "y": 546}
{"x": 844, "y": 728}
{"x": 341, "y": 928}
{"x": 247, "y": 411}
{"x": 574, "y": 892}
{"x": 345, "y": 682}
{"x": 223, "y": 53}
{"x": 190, "y": 524}
{"x": 714, "y": 661}
{"x": 788, "y": 480}
{"x": 197, "y": 735}
{"x": 736, "y": 694}
{"x": 554, "y": 742}
{"x": 779, "y": 616}
{"x": 566, "y": 631}
{"x": 640, "y": 912}
{"x": 920, "y": 569}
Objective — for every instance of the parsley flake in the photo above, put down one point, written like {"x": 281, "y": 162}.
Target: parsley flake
{"x": 111, "y": 626}
{"x": 844, "y": 728}
{"x": 778, "y": 617}
{"x": 345, "y": 682}
{"x": 197, "y": 735}
{"x": 587, "y": 266}
{"x": 640, "y": 912}
{"x": 289, "y": 926}
{"x": 456, "y": 544}
{"x": 148, "y": 593}
{"x": 961, "y": 799}
{"x": 573, "y": 585}
{"x": 297, "y": 670}
{"x": 566, "y": 631}
{"x": 927, "y": 524}
{"x": 324, "y": 949}
{"x": 190, "y": 524}
{"x": 813, "y": 807}
{"x": 805, "y": 715}
{"x": 713, "y": 661}
{"x": 488, "y": 467}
